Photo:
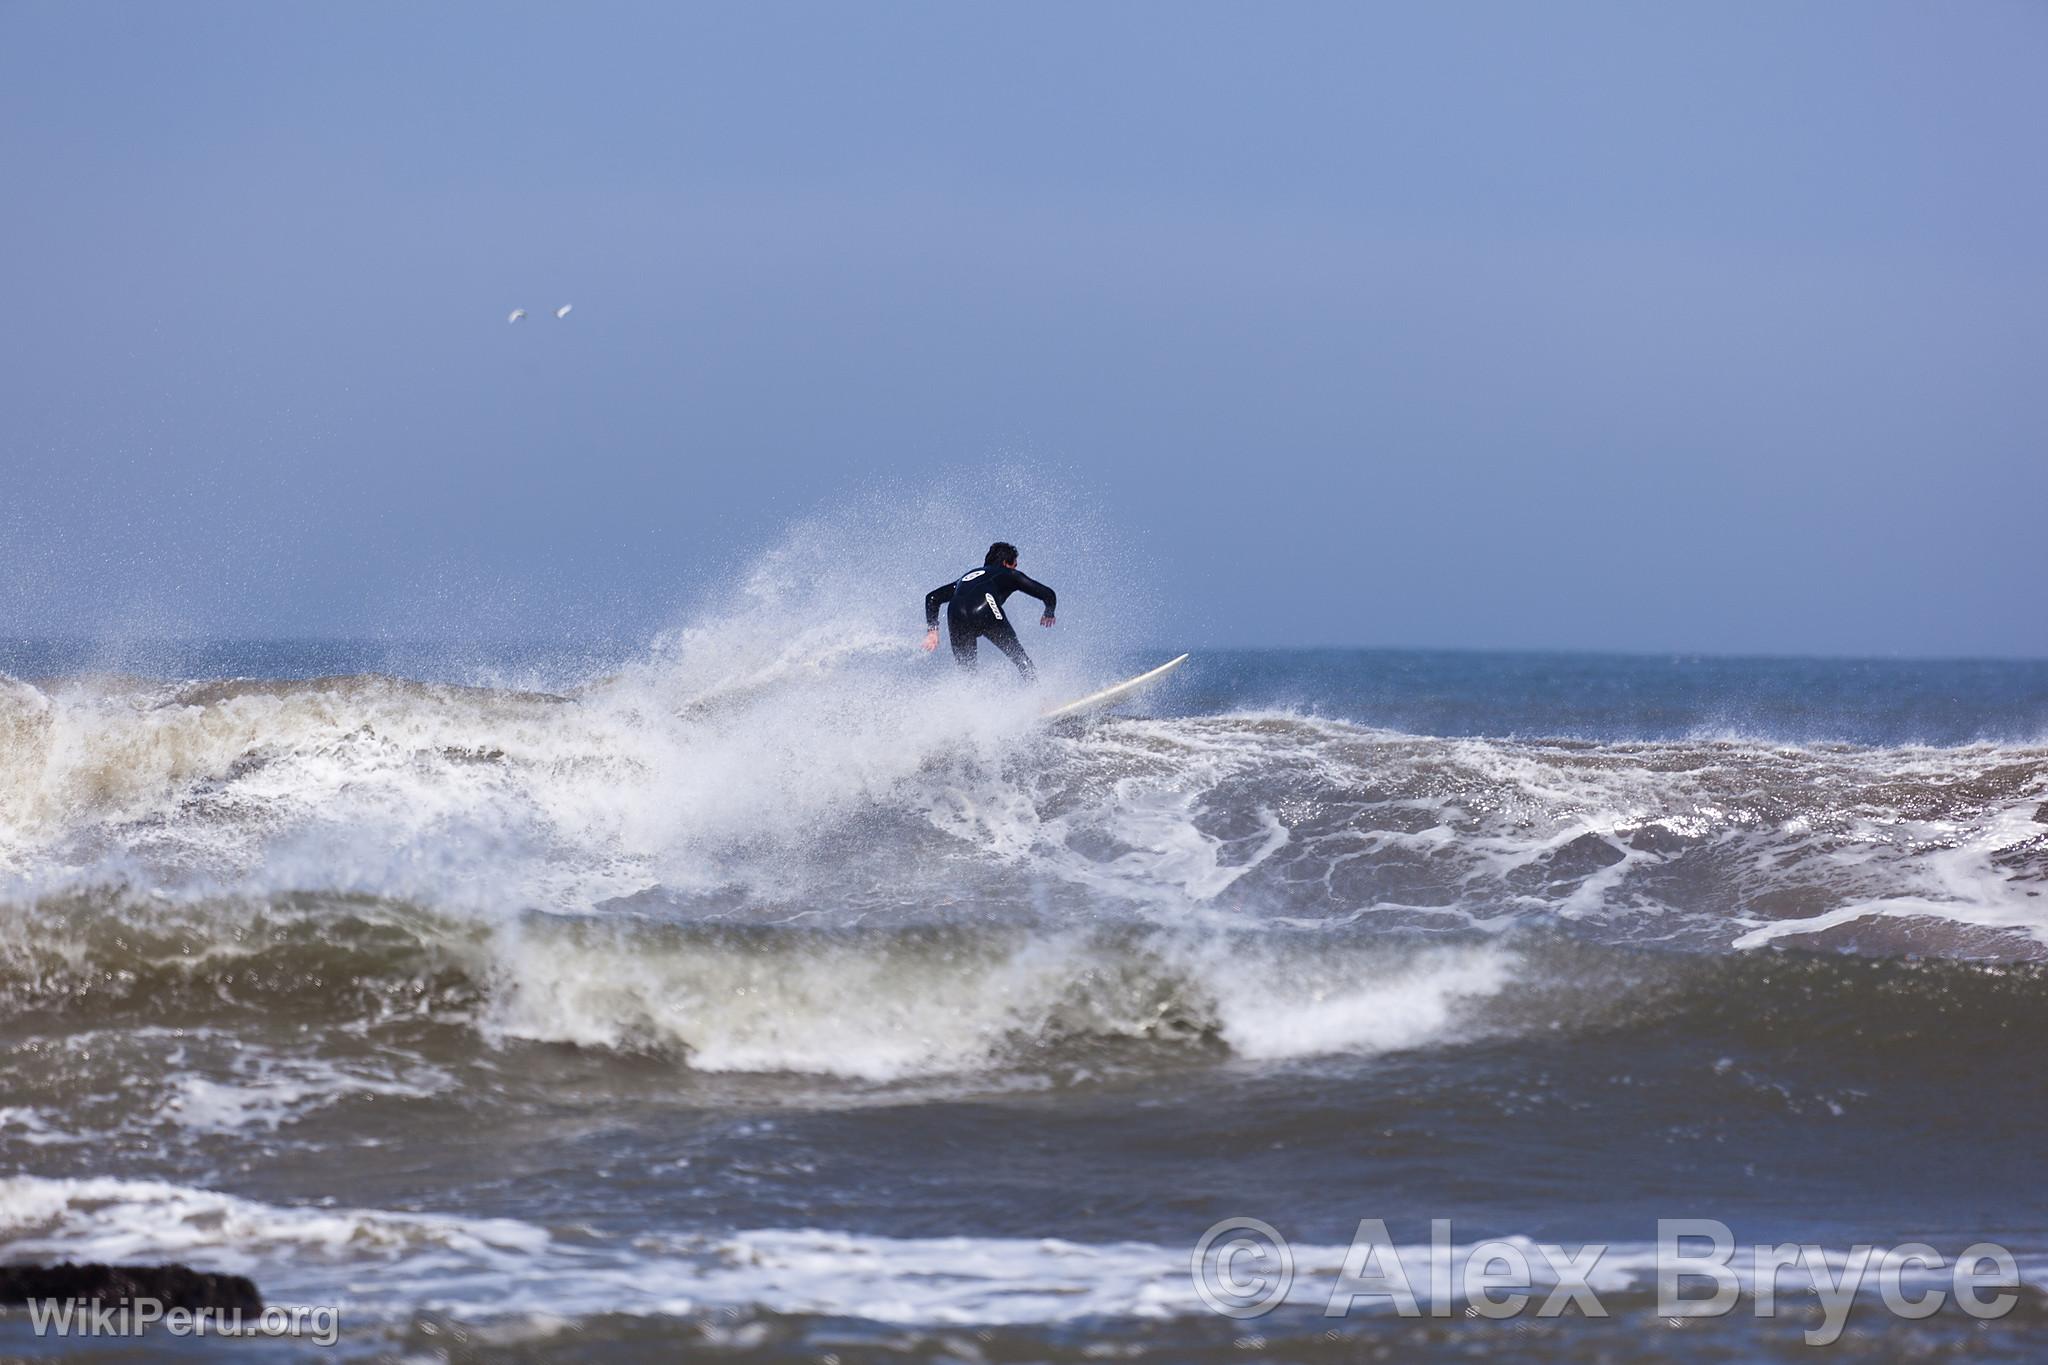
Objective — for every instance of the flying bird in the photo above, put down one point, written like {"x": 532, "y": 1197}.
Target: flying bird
{"x": 563, "y": 311}
{"x": 517, "y": 313}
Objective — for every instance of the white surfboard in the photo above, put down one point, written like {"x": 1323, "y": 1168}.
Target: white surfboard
{"x": 1110, "y": 696}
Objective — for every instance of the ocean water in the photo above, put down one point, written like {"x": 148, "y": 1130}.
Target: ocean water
{"x": 774, "y": 993}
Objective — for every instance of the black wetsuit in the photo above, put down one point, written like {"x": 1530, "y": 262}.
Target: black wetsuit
{"x": 974, "y": 611}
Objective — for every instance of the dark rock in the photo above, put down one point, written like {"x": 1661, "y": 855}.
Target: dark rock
{"x": 1657, "y": 839}
{"x": 1582, "y": 857}
{"x": 174, "y": 1286}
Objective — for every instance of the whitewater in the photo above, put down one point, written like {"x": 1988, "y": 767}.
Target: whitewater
{"x": 772, "y": 984}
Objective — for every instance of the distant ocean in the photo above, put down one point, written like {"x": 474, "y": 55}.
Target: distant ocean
{"x": 767, "y": 995}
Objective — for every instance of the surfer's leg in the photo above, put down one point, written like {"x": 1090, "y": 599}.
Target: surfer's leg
{"x": 1004, "y": 637}
{"x": 963, "y": 646}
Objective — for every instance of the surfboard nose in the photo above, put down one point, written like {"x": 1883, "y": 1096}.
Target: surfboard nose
{"x": 1110, "y": 696}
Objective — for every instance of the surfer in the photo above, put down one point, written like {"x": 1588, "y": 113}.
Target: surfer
{"x": 974, "y": 608}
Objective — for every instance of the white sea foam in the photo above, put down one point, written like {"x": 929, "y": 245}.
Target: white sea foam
{"x": 882, "y": 1008}
{"x": 1957, "y": 880}
{"x": 21, "y": 1123}
{"x": 1284, "y": 1007}
{"x": 114, "y": 1220}
{"x": 384, "y": 1265}
{"x": 266, "y": 1092}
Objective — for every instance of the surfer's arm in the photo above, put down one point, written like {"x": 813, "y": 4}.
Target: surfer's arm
{"x": 1027, "y": 584}
{"x": 933, "y": 600}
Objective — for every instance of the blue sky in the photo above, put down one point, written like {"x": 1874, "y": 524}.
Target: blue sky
{"x": 1713, "y": 327}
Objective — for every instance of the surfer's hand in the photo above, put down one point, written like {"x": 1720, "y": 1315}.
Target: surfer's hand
{"x": 1045, "y": 620}
{"x": 931, "y": 640}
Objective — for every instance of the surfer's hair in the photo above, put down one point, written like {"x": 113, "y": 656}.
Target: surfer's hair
{"x": 1002, "y": 552}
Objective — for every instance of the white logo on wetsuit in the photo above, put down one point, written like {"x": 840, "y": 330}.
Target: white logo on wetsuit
{"x": 970, "y": 577}
{"x": 990, "y": 598}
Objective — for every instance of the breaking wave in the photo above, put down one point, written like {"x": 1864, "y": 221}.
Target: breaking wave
{"x": 885, "y": 1004}
{"x": 785, "y": 840}
{"x": 886, "y": 794}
